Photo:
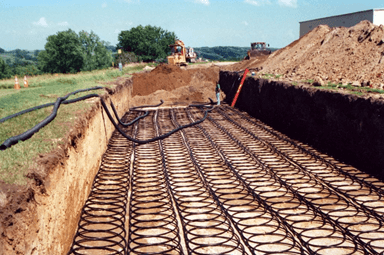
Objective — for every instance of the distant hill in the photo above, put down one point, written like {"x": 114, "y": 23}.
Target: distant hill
{"x": 222, "y": 53}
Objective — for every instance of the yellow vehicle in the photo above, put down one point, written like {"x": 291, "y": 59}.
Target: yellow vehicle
{"x": 258, "y": 49}
{"x": 180, "y": 55}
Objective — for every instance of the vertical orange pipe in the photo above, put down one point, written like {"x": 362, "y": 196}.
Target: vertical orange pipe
{"x": 240, "y": 86}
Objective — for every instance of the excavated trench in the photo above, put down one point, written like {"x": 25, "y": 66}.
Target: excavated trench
{"x": 232, "y": 184}
{"x": 229, "y": 185}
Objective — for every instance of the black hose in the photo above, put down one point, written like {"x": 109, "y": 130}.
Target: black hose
{"x": 211, "y": 102}
{"x": 46, "y": 105}
{"x": 143, "y": 106}
{"x": 155, "y": 138}
{"x": 134, "y": 108}
{"x": 29, "y": 133}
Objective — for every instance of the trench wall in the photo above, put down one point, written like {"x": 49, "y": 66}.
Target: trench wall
{"x": 73, "y": 180}
{"x": 48, "y": 226}
{"x": 347, "y": 127}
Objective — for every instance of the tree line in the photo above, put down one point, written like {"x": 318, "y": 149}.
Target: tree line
{"x": 71, "y": 52}
{"x": 224, "y": 53}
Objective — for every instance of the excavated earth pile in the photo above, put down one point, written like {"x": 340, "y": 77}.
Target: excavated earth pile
{"x": 174, "y": 85}
{"x": 338, "y": 55}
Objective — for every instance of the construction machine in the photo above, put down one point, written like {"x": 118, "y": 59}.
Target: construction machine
{"x": 180, "y": 55}
{"x": 258, "y": 49}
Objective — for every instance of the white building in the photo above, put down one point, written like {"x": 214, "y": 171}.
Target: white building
{"x": 376, "y": 16}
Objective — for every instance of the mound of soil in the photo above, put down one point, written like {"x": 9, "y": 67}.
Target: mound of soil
{"x": 174, "y": 84}
{"x": 337, "y": 55}
{"x": 254, "y": 64}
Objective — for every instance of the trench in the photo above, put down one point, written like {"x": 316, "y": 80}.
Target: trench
{"x": 348, "y": 127}
{"x": 233, "y": 184}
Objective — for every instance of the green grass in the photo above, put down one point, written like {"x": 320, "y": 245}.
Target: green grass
{"x": 269, "y": 76}
{"x": 348, "y": 88}
{"x": 310, "y": 81}
{"x": 198, "y": 63}
{"x": 14, "y": 161}
{"x": 353, "y": 89}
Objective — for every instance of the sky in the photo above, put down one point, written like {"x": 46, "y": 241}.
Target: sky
{"x": 26, "y": 24}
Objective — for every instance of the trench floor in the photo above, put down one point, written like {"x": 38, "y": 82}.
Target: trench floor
{"x": 229, "y": 185}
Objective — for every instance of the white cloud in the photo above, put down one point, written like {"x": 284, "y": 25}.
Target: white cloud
{"x": 257, "y": 2}
{"x": 117, "y": 31}
{"x": 206, "y": 2}
{"x": 245, "y": 23}
{"x": 63, "y": 24}
{"x": 288, "y": 3}
{"x": 42, "y": 22}
{"x": 104, "y": 5}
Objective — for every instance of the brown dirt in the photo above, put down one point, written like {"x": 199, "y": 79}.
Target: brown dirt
{"x": 175, "y": 85}
{"x": 337, "y": 55}
{"x": 254, "y": 64}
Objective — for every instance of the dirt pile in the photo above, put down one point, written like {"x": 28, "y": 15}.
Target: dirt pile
{"x": 255, "y": 64}
{"x": 339, "y": 55}
{"x": 174, "y": 84}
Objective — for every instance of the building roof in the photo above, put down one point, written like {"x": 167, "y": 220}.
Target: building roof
{"x": 340, "y": 15}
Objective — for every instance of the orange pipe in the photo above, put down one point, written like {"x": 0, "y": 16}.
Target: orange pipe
{"x": 240, "y": 86}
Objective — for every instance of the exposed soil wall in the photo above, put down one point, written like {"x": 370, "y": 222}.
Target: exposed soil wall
{"x": 44, "y": 218}
{"x": 348, "y": 127}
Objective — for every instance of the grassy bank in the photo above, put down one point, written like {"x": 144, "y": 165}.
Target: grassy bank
{"x": 15, "y": 161}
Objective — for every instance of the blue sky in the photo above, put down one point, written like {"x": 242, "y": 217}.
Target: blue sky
{"x": 25, "y": 24}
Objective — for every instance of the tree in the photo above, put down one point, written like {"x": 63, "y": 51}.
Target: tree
{"x": 126, "y": 57}
{"x": 2, "y": 50}
{"x": 63, "y": 53}
{"x": 149, "y": 42}
{"x": 4, "y": 69}
{"x": 96, "y": 55}
{"x": 36, "y": 53}
{"x": 111, "y": 48}
{"x": 21, "y": 54}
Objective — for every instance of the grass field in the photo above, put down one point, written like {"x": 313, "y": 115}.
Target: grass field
{"x": 14, "y": 161}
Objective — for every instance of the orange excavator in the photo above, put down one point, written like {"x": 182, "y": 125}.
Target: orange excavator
{"x": 180, "y": 55}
